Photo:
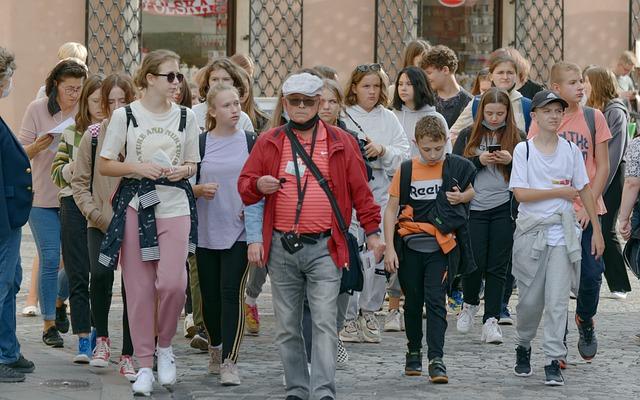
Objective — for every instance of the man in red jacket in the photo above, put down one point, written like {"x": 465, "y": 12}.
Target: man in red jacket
{"x": 304, "y": 247}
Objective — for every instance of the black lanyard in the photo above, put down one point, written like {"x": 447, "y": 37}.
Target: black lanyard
{"x": 302, "y": 190}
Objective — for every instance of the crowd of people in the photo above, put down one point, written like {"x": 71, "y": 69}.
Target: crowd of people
{"x": 414, "y": 189}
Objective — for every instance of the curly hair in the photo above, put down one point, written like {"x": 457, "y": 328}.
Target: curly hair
{"x": 430, "y": 127}
{"x": 7, "y": 64}
{"x": 439, "y": 57}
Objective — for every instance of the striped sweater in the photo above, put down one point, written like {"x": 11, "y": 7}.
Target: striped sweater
{"x": 61, "y": 171}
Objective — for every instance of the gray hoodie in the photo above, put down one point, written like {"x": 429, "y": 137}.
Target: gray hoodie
{"x": 617, "y": 119}
{"x": 409, "y": 118}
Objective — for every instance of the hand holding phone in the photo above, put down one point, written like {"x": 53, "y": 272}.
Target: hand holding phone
{"x": 492, "y": 148}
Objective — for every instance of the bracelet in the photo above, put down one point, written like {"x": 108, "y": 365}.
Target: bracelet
{"x": 188, "y": 171}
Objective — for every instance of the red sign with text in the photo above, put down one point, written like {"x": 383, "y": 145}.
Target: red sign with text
{"x": 200, "y": 8}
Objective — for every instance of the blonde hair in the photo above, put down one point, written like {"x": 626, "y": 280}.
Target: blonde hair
{"x": 627, "y": 57}
{"x": 73, "y": 49}
{"x": 556, "y": 75}
{"x": 151, "y": 65}
{"x": 603, "y": 87}
{"x": 414, "y": 48}
{"x": 214, "y": 91}
{"x": 350, "y": 97}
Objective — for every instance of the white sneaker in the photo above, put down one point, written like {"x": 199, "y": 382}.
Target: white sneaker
{"x": 351, "y": 332}
{"x": 392, "y": 321}
{"x": 166, "y": 366}
{"x": 465, "y": 318}
{"x": 618, "y": 295}
{"x": 402, "y": 320}
{"x": 30, "y": 311}
{"x": 370, "y": 327}
{"x": 144, "y": 382}
{"x": 491, "y": 332}
{"x": 229, "y": 375}
{"x": 189, "y": 327}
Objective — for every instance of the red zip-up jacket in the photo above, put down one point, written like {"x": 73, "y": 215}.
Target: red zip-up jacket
{"x": 348, "y": 183}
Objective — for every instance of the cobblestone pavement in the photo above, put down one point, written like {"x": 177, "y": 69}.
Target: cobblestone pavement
{"x": 476, "y": 371}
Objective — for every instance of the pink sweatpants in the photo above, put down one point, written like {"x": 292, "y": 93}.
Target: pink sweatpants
{"x": 165, "y": 280}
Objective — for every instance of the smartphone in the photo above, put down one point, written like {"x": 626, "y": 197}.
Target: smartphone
{"x": 494, "y": 147}
{"x": 456, "y": 184}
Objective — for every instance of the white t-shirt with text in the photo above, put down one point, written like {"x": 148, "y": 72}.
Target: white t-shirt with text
{"x": 565, "y": 167}
{"x": 156, "y": 133}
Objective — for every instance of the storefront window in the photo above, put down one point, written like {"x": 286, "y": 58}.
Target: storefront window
{"x": 195, "y": 29}
{"x": 468, "y": 29}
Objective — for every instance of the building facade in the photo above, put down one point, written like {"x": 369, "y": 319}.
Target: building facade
{"x": 283, "y": 35}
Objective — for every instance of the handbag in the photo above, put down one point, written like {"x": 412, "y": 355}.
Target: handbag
{"x": 352, "y": 275}
{"x": 631, "y": 252}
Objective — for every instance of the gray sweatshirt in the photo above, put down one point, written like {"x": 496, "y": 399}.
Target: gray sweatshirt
{"x": 617, "y": 119}
{"x": 530, "y": 239}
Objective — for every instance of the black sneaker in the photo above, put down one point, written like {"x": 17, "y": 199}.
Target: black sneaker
{"x": 438, "y": 371}
{"x": 588, "y": 343}
{"x": 9, "y": 375}
{"x": 553, "y": 375}
{"x": 413, "y": 364}
{"x": 52, "y": 338}
{"x": 62, "y": 321}
{"x": 200, "y": 340}
{"x": 22, "y": 365}
{"x": 523, "y": 362}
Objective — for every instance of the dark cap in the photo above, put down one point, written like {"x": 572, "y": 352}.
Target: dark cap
{"x": 545, "y": 97}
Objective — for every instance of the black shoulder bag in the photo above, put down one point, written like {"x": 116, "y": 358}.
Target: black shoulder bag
{"x": 352, "y": 276}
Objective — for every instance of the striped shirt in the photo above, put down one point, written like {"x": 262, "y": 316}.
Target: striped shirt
{"x": 67, "y": 152}
{"x": 316, "y": 215}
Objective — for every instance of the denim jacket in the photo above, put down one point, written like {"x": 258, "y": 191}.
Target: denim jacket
{"x": 146, "y": 191}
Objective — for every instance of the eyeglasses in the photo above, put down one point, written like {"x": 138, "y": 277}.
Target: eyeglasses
{"x": 171, "y": 76}
{"x": 304, "y": 101}
{"x": 369, "y": 67}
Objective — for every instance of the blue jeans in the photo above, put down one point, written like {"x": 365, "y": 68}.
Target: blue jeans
{"x": 10, "y": 279}
{"x": 45, "y": 226}
{"x": 311, "y": 269}
{"x": 590, "y": 279}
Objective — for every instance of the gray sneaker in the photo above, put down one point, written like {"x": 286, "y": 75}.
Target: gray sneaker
{"x": 229, "y": 375}
{"x": 370, "y": 327}
{"x": 215, "y": 359}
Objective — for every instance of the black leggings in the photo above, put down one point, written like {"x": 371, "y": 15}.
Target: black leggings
{"x": 614, "y": 268}
{"x": 101, "y": 292}
{"x": 491, "y": 240}
{"x": 423, "y": 280}
{"x": 223, "y": 276}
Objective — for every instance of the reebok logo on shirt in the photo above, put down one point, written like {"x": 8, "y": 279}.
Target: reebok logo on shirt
{"x": 425, "y": 190}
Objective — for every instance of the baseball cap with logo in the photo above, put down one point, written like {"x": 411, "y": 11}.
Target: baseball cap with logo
{"x": 545, "y": 97}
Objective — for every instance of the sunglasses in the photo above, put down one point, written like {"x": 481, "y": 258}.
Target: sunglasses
{"x": 369, "y": 67}
{"x": 297, "y": 101}
{"x": 171, "y": 76}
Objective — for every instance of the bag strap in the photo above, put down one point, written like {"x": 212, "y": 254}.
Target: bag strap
{"x": 130, "y": 117}
{"x": 251, "y": 140}
{"x": 202, "y": 144}
{"x": 474, "y": 106}
{"x": 94, "y": 147}
{"x": 183, "y": 119}
{"x": 590, "y": 119}
{"x": 406, "y": 169}
{"x": 313, "y": 168}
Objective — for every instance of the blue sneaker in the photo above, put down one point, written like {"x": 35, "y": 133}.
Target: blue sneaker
{"x": 84, "y": 351}
{"x": 93, "y": 337}
{"x": 505, "y": 316}
{"x": 454, "y": 303}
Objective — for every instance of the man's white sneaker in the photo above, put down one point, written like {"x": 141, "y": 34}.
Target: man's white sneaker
{"x": 491, "y": 332}
{"x": 618, "y": 295}
{"x": 465, "y": 318}
{"x": 144, "y": 382}
{"x": 392, "y": 321}
{"x": 351, "y": 332}
{"x": 229, "y": 375}
{"x": 370, "y": 327}
{"x": 166, "y": 366}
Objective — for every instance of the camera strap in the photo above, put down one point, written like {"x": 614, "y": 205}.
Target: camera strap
{"x": 302, "y": 190}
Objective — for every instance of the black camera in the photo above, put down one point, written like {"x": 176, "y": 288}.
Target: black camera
{"x": 291, "y": 242}
{"x": 363, "y": 143}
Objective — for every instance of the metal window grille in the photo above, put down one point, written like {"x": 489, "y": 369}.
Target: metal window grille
{"x": 113, "y": 35}
{"x": 634, "y": 23}
{"x": 540, "y": 34}
{"x": 275, "y": 41}
{"x": 397, "y": 23}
